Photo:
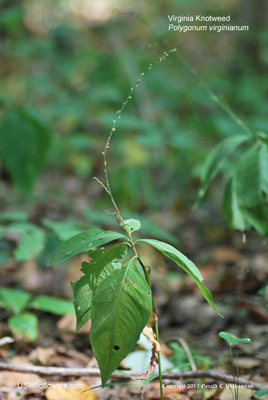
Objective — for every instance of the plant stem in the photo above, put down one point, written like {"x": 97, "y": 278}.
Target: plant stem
{"x": 156, "y": 330}
{"x": 113, "y": 129}
{"x": 233, "y": 367}
{"x": 159, "y": 360}
{"x": 107, "y": 188}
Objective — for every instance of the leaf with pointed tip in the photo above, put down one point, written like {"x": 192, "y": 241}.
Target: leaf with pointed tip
{"x": 53, "y": 305}
{"x": 250, "y": 181}
{"x": 215, "y": 160}
{"x": 233, "y": 210}
{"x": 121, "y": 307}
{"x": 232, "y": 339}
{"x": 182, "y": 261}
{"x": 84, "y": 241}
{"x": 102, "y": 263}
{"x": 258, "y": 217}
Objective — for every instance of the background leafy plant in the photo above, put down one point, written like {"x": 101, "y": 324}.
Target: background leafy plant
{"x": 25, "y": 323}
{"x": 180, "y": 122}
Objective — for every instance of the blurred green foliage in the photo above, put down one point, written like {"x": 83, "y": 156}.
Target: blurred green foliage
{"x": 23, "y": 323}
{"x": 66, "y": 69}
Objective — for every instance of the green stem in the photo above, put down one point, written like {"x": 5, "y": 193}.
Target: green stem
{"x": 159, "y": 360}
{"x": 107, "y": 188}
{"x": 233, "y": 367}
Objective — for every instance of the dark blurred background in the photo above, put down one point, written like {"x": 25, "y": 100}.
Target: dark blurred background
{"x": 71, "y": 63}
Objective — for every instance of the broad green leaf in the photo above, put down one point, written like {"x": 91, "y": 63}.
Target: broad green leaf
{"x": 25, "y": 324}
{"x": 62, "y": 229}
{"x": 232, "y": 339}
{"x": 258, "y": 217}
{"x": 121, "y": 307}
{"x": 250, "y": 176}
{"x": 132, "y": 225}
{"x": 82, "y": 296}
{"x": 15, "y": 300}
{"x": 263, "y": 165}
{"x": 16, "y": 215}
{"x": 84, "y": 241}
{"x": 101, "y": 260}
{"x": 216, "y": 159}
{"x": 183, "y": 262}
{"x": 32, "y": 240}
{"x": 53, "y": 305}
{"x": 102, "y": 263}
{"x": 231, "y": 209}
{"x": 24, "y": 144}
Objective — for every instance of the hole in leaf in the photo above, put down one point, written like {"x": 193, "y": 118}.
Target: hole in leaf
{"x": 149, "y": 293}
{"x": 115, "y": 347}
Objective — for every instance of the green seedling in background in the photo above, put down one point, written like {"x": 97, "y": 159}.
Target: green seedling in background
{"x": 260, "y": 393}
{"x": 232, "y": 339}
{"x": 23, "y": 322}
{"x": 115, "y": 289}
{"x": 25, "y": 240}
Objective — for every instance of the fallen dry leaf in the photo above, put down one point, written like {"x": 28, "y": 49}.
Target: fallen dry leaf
{"x": 76, "y": 390}
{"x": 42, "y": 355}
{"x": 226, "y": 255}
{"x": 14, "y": 379}
{"x": 247, "y": 362}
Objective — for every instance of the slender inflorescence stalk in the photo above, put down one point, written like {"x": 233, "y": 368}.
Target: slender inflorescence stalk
{"x": 107, "y": 188}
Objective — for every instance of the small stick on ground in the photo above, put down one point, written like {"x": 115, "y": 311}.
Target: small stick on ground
{"x": 55, "y": 371}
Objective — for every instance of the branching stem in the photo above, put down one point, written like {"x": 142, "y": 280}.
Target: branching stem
{"x": 107, "y": 188}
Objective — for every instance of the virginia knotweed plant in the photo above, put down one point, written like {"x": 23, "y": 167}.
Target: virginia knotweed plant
{"x": 115, "y": 289}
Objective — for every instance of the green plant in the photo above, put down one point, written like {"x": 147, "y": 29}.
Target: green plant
{"x": 29, "y": 238}
{"x": 245, "y": 198}
{"x": 232, "y": 339}
{"x": 115, "y": 290}
{"x": 25, "y": 139}
{"x": 23, "y": 322}
{"x": 25, "y": 240}
{"x": 186, "y": 359}
{"x": 260, "y": 393}
{"x": 243, "y": 160}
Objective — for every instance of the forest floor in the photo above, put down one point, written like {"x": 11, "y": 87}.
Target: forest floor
{"x": 234, "y": 268}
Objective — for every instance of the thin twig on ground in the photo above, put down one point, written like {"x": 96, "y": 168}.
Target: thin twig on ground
{"x": 6, "y": 340}
{"x": 56, "y": 371}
